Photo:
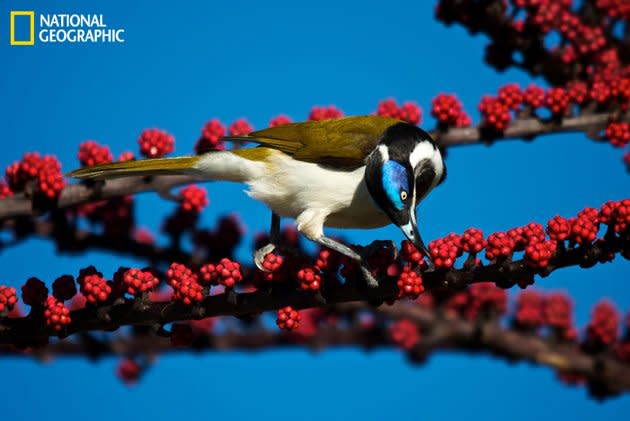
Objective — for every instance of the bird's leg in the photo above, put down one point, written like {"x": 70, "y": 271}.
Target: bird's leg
{"x": 347, "y": 251}
{"x": 274, "y": 238}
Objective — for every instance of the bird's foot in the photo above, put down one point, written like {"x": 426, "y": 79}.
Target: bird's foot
{"x": 370, "y": 280}
{"x": 259, "y": 255}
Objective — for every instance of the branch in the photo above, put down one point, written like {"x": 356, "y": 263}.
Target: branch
{"x": 156, "y": 314}
{"x": 441, "y": 333}
{"x": 79, "y": 194}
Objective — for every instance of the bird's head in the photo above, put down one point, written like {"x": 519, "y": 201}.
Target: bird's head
{"x": 404, "y": 167}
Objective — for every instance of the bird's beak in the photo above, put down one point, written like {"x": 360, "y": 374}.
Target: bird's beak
{"x": 410, "y": 229}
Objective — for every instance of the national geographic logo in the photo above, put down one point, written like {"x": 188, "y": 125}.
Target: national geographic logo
{"x": 61, "y": 28}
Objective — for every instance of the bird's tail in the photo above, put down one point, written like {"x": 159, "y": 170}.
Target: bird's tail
{"x": 177, "y": 165}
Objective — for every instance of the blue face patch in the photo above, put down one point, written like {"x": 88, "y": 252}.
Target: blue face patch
{"x": 395, "y": 181}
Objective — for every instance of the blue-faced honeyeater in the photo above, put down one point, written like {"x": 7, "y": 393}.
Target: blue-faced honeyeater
{"x": 353, "y": 172}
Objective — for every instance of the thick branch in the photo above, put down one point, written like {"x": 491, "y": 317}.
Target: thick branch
{"x": 156, "y": 314}
{"x": 78, "y": 194}
{"x": 440, "y": 333}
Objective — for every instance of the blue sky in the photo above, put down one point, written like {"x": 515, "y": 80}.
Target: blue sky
{"x": 182, "y": 65}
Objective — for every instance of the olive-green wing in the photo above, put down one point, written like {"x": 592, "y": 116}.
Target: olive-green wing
{"x": 343, "y": 142}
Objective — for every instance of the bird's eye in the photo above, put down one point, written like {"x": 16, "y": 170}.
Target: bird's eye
{"x": 403, "y": 195}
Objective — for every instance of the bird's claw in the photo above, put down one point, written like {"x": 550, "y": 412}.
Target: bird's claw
{"x": 259, "y": 255}
{"x": 370, "y": 280}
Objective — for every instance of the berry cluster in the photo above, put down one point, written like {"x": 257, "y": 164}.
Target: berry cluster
{"x": 240, "y": 128}
{"x": 288, "y": 319}
{"x": 448, "y": 111}
{"x": 57, "y": 314}
{"x": 409, "y": 111}
{"x": 8, "y": 299}
{"x": 139, "y": 282}
{"x": 184, "y": 283}
{"x": 280, "y": 120}
{"x": 91, "y": 153}
{"x": 309, "y": 279}
{"x": 193, "y": 198}
{"x": 42, "y": 173}
{"x": 409, "y": 283}
{"x": 211, "y": 137}
{"x": 404, "y": 333}
{"x": 226, "y": 273}
{"x": 155, "y": 143}
{"x": 324, "y": 113}
{"x": 95, "y": 288}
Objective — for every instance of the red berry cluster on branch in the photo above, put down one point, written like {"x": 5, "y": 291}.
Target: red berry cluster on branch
{"x": 409, "y": 111}
{"x": 280, "y": 120}
{"x": 448, "y": 111}
{"x": 211, "y": 138}
{"x": 240, "y": 128}
{"x": 404, "y": 333}
{"x": 226, "y": 273}
{"x": 288, "y": 319}
{"x": 8, "y": 299}
{"x": 193, "y": 198}
{"x": 155, "y": 143}
{"x": 324, "y": 113}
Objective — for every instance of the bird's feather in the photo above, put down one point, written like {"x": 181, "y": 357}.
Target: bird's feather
{"x": 177, "y": 165}
{"x": 344, "y": 142}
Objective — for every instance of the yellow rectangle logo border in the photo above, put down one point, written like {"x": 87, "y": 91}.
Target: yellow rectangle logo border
{"x": 29, "y": 13}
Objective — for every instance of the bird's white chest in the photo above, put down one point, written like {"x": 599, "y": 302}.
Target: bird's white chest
{"x": 290, "y": 187}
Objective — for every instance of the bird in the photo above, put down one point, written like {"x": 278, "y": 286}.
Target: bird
{"x": 353, "y": 172}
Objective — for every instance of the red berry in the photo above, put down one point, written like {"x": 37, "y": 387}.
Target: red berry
{"x": 95, "y": 288}
{"x": 34, "y": 292}
{"x": 603, "y": 327}
{"x": 57, "y": 315}
{"x": 472, "y": 240}
{"x": 240, "y": 128}
{"x": 409, "y": 283}
{"x": 91, "y": 153}
{"x": 50, "y": 182}
{"x": 193, "y": 198}
{"x": 578, "y": 91}
{"x": 410, "y": 112}
{"x": 155, "y": 143}
{"x": 618, "y": 133}
{"x": 226, "y": 273}
{"x": 64, "y": 288}
{"x": 557, "y": 310}
{"x": 485, "y": 298}
{"x": 5, "y": 190}
{"x": 558, "y": 228}
{"x": 538, "y": 254}
{"x": 404, "y": 333}
{"x": 309, "y": 279}
{"x": 188, "y": 291}
{"x": 446, "y": 109}
{"x": 511, "y": 95}
{"x": 211, "y": 137}
{"x": 128, "y": 371}
{"x": 388, "y": 108}
{"x": 583, "y": 230}
{"x": 410, "y": 254}
{"x": 533, "y": 233}
{"x": 137, "y": 282}
{"x": 622, "y": 216}
{"x": 273, "y": 265}
{"x": 534, "y": 96}
{"x": 8, "y": 299}
{"x": 443, "y": 252}
{"x": 499, "y": 245}
{"x": 600, "y": 92}
{"x": 126, "y": 156}
{"x": 557, "y": 100}
{"x": 288, "y": 319}
{"x": 529, "y": 309}
{"x": 496, "y": 115}
{"x": 325, "y": 113}
{"x": 281, "y": 120}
